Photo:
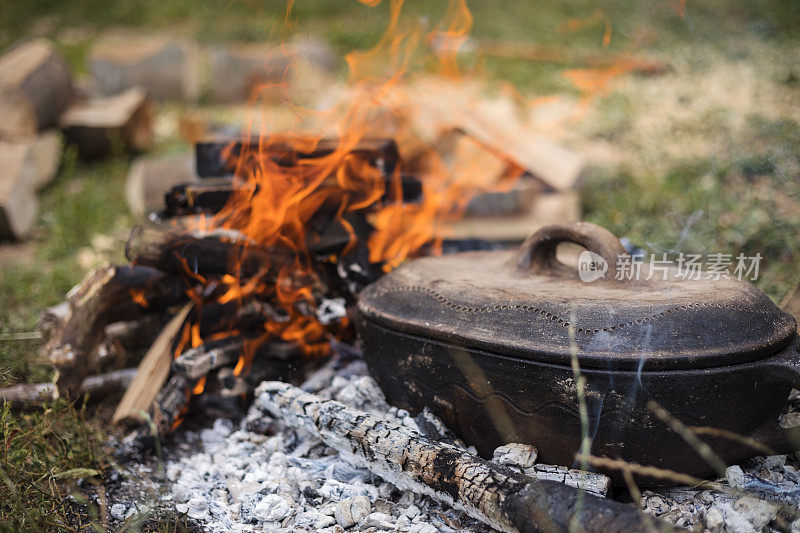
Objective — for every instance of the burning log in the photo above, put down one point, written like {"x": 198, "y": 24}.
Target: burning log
{"x": 211, "y": 195}
{"x": 105, "y": 295}
{"x": 496, "y": 495}
{"x": 222, "y": 158}
{"x": 203, "y": 254}
{"x": 97, "y": 387}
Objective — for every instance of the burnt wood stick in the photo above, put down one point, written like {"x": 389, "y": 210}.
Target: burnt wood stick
{"x": 203, "y": 254}
{"x": 197, "y": 362}
{"x": 171, "y": 402}
{"x": 105, "y": 295}
{"x": 221, "y": 158}
{"x": 496, "y": 495}
{"x": 98, "y": 387}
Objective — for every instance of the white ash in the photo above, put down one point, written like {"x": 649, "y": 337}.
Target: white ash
{"x": 238, "y": 479}
{"x": 241, "y": 480}
{"x": 763, "y": 496}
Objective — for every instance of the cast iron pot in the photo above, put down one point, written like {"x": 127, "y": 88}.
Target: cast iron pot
{"x": 487, "y": 340}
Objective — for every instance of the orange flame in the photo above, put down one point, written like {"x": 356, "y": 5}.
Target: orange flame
{"x": 275, "y": 203}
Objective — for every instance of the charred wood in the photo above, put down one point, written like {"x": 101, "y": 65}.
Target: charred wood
{"x": 210, "y": 196}
{"x": 204, "y": 254}
{"x": 502, "y": 498}
{"x": 221, "y": 158}
{"x": 197, "y": 362}
{"x": 105, "y": 295}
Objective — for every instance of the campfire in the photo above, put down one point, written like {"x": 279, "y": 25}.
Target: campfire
{"x": 369, "y": 310}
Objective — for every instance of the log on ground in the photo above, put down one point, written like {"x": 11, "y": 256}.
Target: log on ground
{"x": 100, "y": 125}
{"x": 503, "y": 499}
{"x": 35, "y": 88}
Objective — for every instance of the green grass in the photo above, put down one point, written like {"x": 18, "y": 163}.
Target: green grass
{"x": 44, "y": 454}
{"x": 748, "y": 204}
{"x": 86, "y": 200}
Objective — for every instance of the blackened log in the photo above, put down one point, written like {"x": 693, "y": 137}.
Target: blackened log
{"x": 197, "y": 362}
{"x": 170, "y": 404}
{"x": 105, "y": 295}
{"x": 204, "y": 254}
{"x": 221, "y": 158}
{"x": 210, "y": 196}
{"x": 502, "y": 498}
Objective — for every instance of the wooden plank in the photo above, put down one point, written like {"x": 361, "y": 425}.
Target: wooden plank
{"x": 151, "y": 374}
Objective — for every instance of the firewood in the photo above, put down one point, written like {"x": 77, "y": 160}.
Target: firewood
{"x": 151, "y": 177}
{"x": 210, "y": 196}
{"x": 105, "y": 295}
{"x": 236, "y": 72}
{"x": 100, "y": 125}
{"x": 97, "y": 387}
{"x": 169, "y": 404}
{"x": 203, "y": 253}
{"x": 502, "y": 498}
{"x": 588, "y": 481}
{"x": 544, "y": 208}
{"x": 125, "y": 339}
{"x": 165, "y": 67}
{"x": 221, "y": 158}
{"x": 35, "y": 88}
{"x": 51, "y": 319}
{"x": 18, "y": 202}
{"x": 151, "y": 373}
{"x": 197, "y": 362}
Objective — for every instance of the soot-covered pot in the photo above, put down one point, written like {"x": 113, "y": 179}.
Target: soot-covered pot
{"x": 491, "y": 341}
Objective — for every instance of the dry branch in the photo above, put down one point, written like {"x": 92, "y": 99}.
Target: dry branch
{"x": 98, "y": 387}
{"x": 498, "y": 496}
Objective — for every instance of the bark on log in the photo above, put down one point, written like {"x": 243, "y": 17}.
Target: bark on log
{"x": 99, "y": 125}
{"x": 35, "y": 88}
{"x": 498, "y": 496}
{"x": 105, "y": 295}
{"x": 206, "y": 255}
{"x": 98, "y": 387}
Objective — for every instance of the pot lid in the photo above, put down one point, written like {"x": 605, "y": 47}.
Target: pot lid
{"x": 527, "y": 304}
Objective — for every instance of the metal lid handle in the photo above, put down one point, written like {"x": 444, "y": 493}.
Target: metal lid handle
{"x": 538, "y": 253}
